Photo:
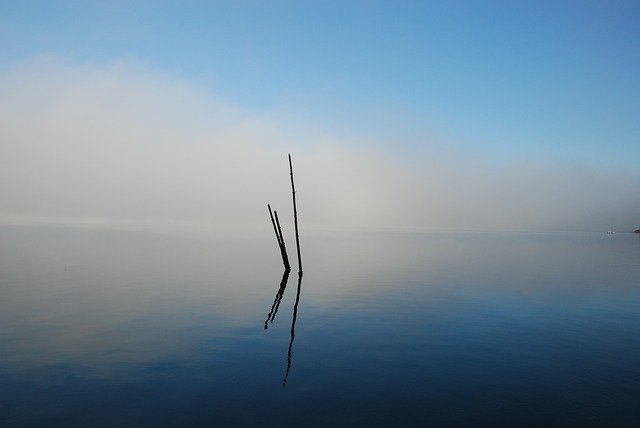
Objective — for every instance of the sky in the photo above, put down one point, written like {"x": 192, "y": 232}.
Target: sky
{"x": 466, "y": 115}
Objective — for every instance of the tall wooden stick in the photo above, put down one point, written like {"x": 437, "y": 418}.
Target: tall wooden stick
{"x": 295, "y": 217}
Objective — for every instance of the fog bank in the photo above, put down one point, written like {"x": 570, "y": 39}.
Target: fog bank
{"x": 123, "y": 144}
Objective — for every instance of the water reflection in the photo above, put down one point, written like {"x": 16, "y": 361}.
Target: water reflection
{"x": 276, "y": 302}
{"x": 153, "y": 330}
{"x": 274, "y": 310}
{"x": 293, "y": 330}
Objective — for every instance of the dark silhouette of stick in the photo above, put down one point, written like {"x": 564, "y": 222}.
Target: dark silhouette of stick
{"x": 273, "y": 222}
{"x": 280, "y": 239}
{"x": 284, "y": 247}
{"x": 295, "y": 217}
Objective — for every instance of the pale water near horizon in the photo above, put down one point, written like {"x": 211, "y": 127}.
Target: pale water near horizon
{"x": 115, "y": 328}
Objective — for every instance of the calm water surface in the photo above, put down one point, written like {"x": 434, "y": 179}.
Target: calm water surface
{"x": 118, "y": 328}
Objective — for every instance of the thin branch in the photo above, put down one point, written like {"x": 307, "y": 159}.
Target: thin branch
{"x": 283, "y": 250}
{"x": 285, "y": 256}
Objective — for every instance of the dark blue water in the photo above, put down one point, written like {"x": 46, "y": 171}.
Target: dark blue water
{"x": 120, "y": 328}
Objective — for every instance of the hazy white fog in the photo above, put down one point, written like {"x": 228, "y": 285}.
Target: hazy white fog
{"x": 123, "y": 144}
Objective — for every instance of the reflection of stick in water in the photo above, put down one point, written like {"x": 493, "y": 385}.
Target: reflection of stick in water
{"x": 293, "y": 330}
{"x": 278, "y": 299}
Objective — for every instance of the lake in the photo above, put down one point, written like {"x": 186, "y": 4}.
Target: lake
{"x": 124, "y": 328}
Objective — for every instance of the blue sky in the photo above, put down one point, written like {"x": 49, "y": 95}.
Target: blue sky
{"x": 508, "y": 79}
{"x": 488, "y": 115}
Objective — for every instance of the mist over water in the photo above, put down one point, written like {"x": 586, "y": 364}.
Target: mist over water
{"x": 123, "y": 144}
